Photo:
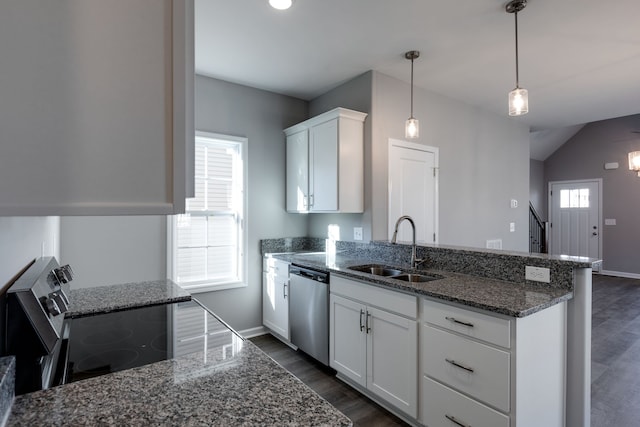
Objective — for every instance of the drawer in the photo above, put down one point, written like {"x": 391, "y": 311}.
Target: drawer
{"x": 275, "y": 266}
{"x": 393, "y": 301}
{"x": 484, "y": 327}
{"x": 471, "y": 367}
{"x": 440, "y": 404}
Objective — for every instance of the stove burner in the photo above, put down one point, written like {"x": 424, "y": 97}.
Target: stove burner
{"x": 106, "y": 362}
{"x": 160, "y": 343}
{"x": 108, "y": 337}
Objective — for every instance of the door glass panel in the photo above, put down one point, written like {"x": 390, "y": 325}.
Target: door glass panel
{"x": 574, "y": 198}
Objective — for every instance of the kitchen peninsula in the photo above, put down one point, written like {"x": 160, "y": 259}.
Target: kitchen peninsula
{"x": 540, "y": 329}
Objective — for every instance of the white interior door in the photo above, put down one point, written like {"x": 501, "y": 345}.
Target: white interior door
{"x": 413, "y": 189}
{"x": 575, "y": 218}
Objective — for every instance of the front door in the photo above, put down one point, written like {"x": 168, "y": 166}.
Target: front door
{"x": 575, "y": 218}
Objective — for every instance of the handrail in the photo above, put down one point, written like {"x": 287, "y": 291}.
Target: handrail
{"x": 537, "y": 232}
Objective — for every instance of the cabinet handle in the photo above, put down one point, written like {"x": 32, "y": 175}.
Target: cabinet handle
{"x": 368, "y": 316}
{"x": 310, "y": 200}
{"x": 361, "y": 325}
{"x": 284, "y": 291}
{"x": 455, "y": 421}
{"x": 458, "y": 365}
{"x": 460, "y": 322}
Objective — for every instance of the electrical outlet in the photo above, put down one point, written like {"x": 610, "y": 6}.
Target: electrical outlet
{"x": 357, "y": 233}
{"x": 512, "y": 227}
{"x": 537, "y": 274}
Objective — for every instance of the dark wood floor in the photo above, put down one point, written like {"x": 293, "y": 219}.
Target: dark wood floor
{"x": 615, "y": 352}
{"x": 615, "y": 363}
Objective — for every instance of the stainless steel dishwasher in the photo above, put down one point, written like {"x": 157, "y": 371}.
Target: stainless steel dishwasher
{"x": 309, "y": 311}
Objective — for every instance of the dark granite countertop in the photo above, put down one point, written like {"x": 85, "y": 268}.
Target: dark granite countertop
{"x": 228, "y": 382}
{"x": 233, "y": 385}
{"x": 103, "y": 299}
{"x": 511, "y": 299}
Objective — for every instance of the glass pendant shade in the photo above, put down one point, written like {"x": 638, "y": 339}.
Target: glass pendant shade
{"x": 518, "y": 102}
{"x": 634, "y": 161}
{"x": 412, "y": 128}
{"x": 281, "y": 4}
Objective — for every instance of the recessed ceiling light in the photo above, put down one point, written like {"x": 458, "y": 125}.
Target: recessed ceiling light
{"x": 281, "y": 4}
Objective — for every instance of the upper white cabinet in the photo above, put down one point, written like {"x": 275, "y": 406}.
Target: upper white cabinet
{"x": 325, "y": 163}
{"x": 96, "y": 107}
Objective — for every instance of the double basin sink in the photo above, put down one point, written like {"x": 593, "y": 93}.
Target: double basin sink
{"x": 393, "y": 273}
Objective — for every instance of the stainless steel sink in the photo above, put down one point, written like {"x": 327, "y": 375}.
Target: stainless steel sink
{"x": 377, "y": 270}
{"x": 393, "y": 273}
{"x": 414, "y": 278}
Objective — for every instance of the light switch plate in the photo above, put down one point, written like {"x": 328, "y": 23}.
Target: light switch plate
{"x": 357, "y": 233}
{"x": 512, "y": 227}
{"x": 537, "y": 274}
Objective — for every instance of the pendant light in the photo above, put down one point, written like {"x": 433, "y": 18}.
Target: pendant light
{"x": 518, "y": 97}
{"x": 634, "y": 161}
{"x": 412, "y": 126}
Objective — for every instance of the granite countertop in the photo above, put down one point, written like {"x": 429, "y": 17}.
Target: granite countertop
{"x": 103, "y": 299}
{"x": 228, "y": 381}
{"x": 511, "y": 299}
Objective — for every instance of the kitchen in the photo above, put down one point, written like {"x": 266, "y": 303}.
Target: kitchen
{"x": 143, "y": 238}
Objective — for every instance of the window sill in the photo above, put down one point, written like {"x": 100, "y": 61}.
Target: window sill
{"x": 198, "y": 289}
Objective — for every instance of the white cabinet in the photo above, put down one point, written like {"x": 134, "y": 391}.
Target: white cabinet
{"x": 325, "y": 163}
{"x": 373, "y": 341}
{"x": 275, "y": 296}
{"x": 488, "y": 370}
{"x": 97, "y": 107}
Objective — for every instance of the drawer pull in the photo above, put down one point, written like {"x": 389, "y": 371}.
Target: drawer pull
{"x": 455, "y": 421}
{"x": 460, "y": 322}
{"x": 361, "y": 325}
{"x": 458, "y": 365}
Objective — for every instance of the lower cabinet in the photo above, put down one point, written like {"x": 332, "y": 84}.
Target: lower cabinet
{"x": 373, "y": 346}
{"x": 485, "y": 370}
{"x": 275, "y": 296}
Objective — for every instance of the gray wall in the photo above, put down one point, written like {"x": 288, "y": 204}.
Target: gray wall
{"x": 136, "y": 246}
{"x": 105, "y": 250}
{"x": 23, "y": 239}
{"x": 538, "y": 188}
{"x": 583, "y": 157}
{"x": 484, "y": 163}
{"x": 259, "y": 116}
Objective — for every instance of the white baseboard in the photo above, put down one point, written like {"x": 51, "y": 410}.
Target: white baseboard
{"x": 620, "y": 274}
{"x": 254, "y": 332}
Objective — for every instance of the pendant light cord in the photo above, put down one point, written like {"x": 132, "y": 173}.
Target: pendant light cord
{"x": 412, "y": 87}
{"x": 517, "y": 73}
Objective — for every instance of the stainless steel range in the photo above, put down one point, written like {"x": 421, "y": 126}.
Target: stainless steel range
{"x": 52, "y": 350}
{"x": 36, "y": 303}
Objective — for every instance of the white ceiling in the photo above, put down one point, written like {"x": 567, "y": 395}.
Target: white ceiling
{"x": 579, "y": 59}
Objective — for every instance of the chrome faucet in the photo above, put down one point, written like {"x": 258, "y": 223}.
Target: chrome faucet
{"x": 414, "y": 261}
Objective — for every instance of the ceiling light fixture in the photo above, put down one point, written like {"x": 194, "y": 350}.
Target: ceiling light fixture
{"x": 281, "y": 4}
{"x": 518, "y": 97}
{"x": 634, "y": 161}
{"x": 412, "y": 126}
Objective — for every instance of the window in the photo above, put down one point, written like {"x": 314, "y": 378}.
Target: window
{"x": 207, "y": 243}
{"x": 575, "y": 198}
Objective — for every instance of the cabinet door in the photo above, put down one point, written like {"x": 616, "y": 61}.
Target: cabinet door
{"x": 298, "y": 172}
{"x": 392, "y": 359}
{"x": 97, "y": 104}
{"x": 275, "y": 303}
{"x": 323, "y": 161}
{"x": 347, "y": 338}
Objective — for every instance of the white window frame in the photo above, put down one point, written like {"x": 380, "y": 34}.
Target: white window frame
{"x": 198, "y": 287}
